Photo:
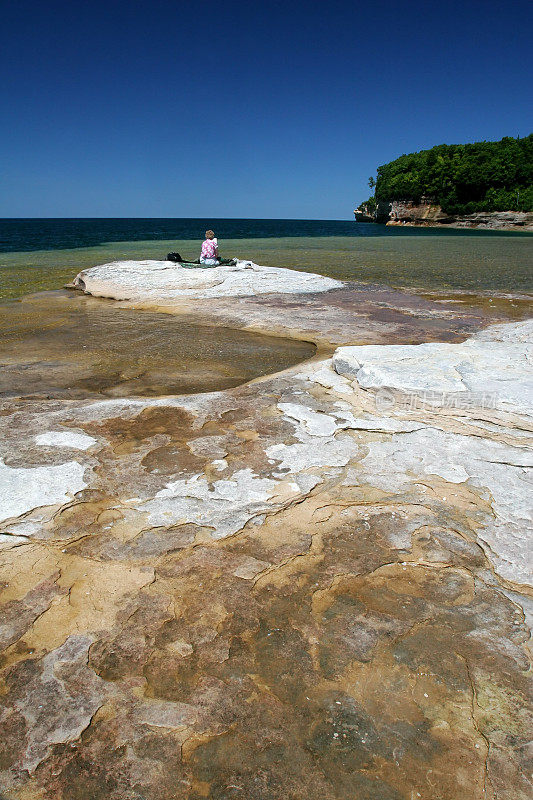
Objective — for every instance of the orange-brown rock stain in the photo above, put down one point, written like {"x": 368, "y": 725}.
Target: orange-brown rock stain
{"x": 349, "y": 646}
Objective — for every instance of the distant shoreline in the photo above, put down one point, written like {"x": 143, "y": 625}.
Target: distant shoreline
{"x": 404, "y": 213}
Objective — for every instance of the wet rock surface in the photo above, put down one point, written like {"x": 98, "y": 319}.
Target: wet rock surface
{"x": 70, "y": 346}
{"x": 286, "y": 589}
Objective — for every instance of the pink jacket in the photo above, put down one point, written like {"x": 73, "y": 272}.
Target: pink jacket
{"x": 209, "y": 249}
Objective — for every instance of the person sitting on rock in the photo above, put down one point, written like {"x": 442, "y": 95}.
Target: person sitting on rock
{"x": 209, "y": 254}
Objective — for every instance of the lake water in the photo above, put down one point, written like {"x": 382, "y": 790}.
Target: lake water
{"x": 66, "y": 345}
{"x": 45, "y": 254}
{"x": 59, "y": 344}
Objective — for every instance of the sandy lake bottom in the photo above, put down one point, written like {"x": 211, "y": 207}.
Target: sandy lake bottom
{"x": 442, "y": 260}
{"x": 63, "y": 345}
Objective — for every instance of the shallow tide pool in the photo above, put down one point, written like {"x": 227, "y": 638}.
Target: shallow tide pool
{"x": 64, "y": 345}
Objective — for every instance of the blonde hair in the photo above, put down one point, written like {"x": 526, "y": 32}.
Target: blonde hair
{"x": 209, "y": 235}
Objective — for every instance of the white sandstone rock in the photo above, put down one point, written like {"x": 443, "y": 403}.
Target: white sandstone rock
{"x": 23, "y": 489}
{"x": 76, "y": 441}
{"x": 225, "y": 505}
{"x": 507, "y": 332}
{"x": 313, "y": 452}
{"x": 323, "y": 374}
{"x": 500, "y": 472}
{"x": 494, "y": 369}
{"x": 370, "y": 422}
{"x": 164, "y": 280}
{"x": 314, "y": 422}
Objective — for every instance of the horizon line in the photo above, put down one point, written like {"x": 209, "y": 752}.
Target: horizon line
{"x": 273, "y": 219}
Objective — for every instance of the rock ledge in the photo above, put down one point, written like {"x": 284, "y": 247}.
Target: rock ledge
{"x": 164, "y": 280}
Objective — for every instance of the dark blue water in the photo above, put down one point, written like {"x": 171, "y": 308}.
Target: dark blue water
{"x": 28, "y": 235}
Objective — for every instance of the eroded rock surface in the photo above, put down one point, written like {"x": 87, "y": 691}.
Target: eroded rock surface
{"x": 427, "y": 214}
{"x": 499, "y": 373}
{"x": 130, "y": 280}
{"x": 301, "y": 587}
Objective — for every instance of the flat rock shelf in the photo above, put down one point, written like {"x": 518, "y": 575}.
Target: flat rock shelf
{"x": 164, "y": 280}
{"x": 314, "y": 585}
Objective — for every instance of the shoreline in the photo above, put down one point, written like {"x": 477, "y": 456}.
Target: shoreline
{"x": 406, "y": 213}
{"x": 338, "y": 313}
{"x": 333, "y": 548}
{"x": 433, "y": 258}
{"x": 463, "y": 226}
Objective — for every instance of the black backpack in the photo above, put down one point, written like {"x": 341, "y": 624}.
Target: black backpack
{"x": 175, "y": 257}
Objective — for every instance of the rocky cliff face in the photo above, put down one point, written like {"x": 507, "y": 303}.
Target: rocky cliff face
{"x": 405, "y": 212}
{"x": 505, "y": 220}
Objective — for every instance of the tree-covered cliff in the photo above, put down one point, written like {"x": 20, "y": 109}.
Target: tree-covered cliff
{"x": 463, "y": 178}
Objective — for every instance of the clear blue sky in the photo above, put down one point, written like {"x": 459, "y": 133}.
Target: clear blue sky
{"x": 238, "y": 109}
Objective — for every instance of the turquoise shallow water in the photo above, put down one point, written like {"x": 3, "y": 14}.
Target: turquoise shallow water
{"x": 44, "y": 254}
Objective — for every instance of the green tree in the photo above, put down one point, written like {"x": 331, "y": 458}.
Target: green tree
{"x": 463, "y": 178}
